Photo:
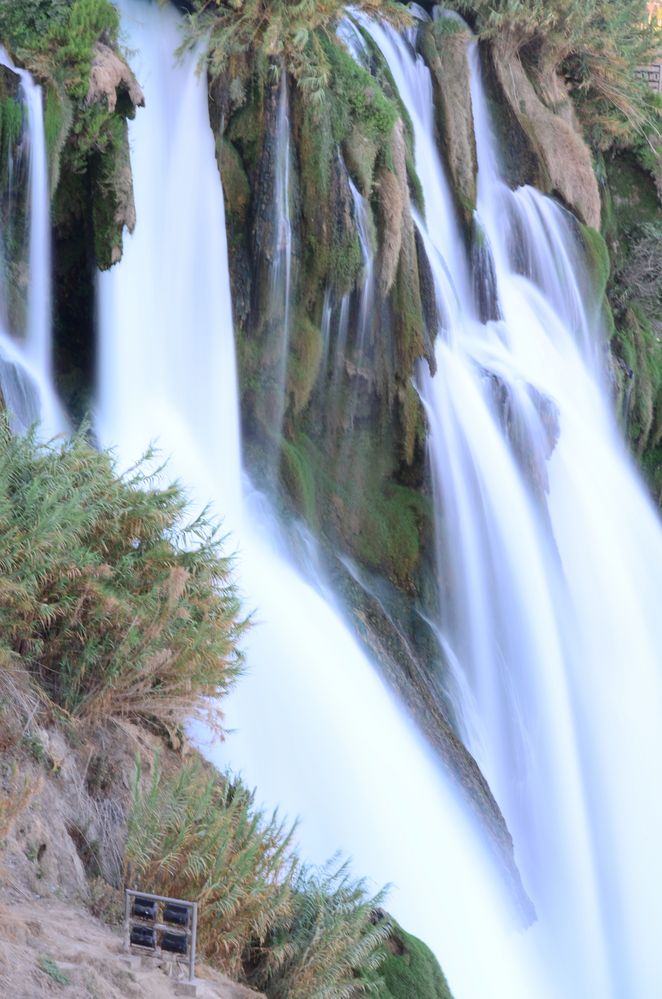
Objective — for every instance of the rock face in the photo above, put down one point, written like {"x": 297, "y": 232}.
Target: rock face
{"x": 444, "y": 47}
{"x": 555, "y": 136}
{"x": 110, "y": 76}
{"x": 113, "y": 83}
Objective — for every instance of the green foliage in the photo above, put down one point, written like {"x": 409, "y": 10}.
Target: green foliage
{"x": 108, "y": 598}
{"x": 289, "y": 34}
{"x": 330, "y": 947}
{"x": 411, "y": 969}
{"x": 596, "y": 45}
{"x": 198, "y": 836}
{"x": 634, "y": 233}
{"x": 11, "y": 126}
{"x": 56, "y": 38}
{"x": 291, "y": 931}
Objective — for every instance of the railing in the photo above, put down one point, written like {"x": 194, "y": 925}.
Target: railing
{"x": 164, "y": 927}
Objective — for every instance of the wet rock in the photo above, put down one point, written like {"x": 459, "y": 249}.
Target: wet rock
{"x": 445, "y": 51}
{"x": 554, "y": 135}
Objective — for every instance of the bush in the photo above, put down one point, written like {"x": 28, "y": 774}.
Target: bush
{"x": 291, "y": 33}
{"x": 56, "y": 38}
{"x": 330, "y": 947}
{"x": 197, "y": 836}
{"x": 109, "y": 599}
{"x": 291, "y": 931}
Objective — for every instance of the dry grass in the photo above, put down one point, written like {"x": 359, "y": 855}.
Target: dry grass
{"x": 114, "y": 605}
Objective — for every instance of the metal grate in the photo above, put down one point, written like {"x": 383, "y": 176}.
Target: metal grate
{"x": 164, "y": 927}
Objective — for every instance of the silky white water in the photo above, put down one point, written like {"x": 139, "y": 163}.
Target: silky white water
{"x": 316, "y": 729}
{"x": 25, "y": 355}
{"x": 281, "y": 274}
{"x": 550, "y": 568}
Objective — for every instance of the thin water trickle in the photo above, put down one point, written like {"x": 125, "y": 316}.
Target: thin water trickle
{"x": 281, "y": 275}
{"x": 26, "y": 377}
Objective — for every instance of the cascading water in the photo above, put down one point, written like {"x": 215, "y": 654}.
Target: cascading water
{"x": 550, "y": 556}
{"x": 355, "y": 323}
{"x": 316, "y": 728}
{"x": 281, "y": 276}
{"x": 25, "y": 355}
{"x": 368, "y": 260}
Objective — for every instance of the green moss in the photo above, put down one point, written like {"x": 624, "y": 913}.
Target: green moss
{"x": 356, "y": 98}
{"x": 300, "y": 478}
{"x": 235, "y": 182}
{"x": 633, "y": 194}
{"x": 360, "y": 152}
{"x": 598, "y": 258}
{"x": 390, "y": 538}
{"x": 110, "y": 182}
{"x": 246, "y": 120}
{"x": 409, "y": 321}
{"x": 411, "y": 970}
{"x": 11, "y": 126}
{"x": 58, "y": 119}
{"x": 303, "y": 362}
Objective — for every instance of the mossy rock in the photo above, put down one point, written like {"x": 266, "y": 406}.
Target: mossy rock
{"x": 597, "y": 253}
{"x": 303, "y": 361}
{"x": 633, "y": 197}
{"x": 411, "y": 971}
{"x": 58, "y": 119}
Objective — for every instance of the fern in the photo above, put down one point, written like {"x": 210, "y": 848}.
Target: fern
{"x": 292, "y": 931}
{"x": 112, "y": 602}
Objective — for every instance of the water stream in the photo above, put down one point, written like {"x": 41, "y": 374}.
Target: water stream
{"x": 552, "y": 554}
{"x": 315, "y": 727}
{"x": 26, "y": 377}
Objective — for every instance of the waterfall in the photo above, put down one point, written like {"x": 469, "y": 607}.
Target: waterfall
{"x": 551, "y": 552}
{"x": 367, "y": 294}
{"x": 26, "y": 377}
{"x": 281, "y": 273}
{"x": 314, "y": 725}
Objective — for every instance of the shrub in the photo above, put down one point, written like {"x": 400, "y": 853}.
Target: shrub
{"x": 197, "y": 836}
{"x": 291, "y": 931}
{"x": 56, "y": 38}
{"x": 330, "y": 947}
{"x": 291, "y": 33}
{"x": 111, "y": 601}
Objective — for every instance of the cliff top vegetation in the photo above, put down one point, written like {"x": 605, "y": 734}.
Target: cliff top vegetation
{"x": 290, "y": 32}
{"x": 596, "y": 45}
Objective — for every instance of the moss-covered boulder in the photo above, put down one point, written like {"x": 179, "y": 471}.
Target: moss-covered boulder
{"x": 410, "y": 970}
